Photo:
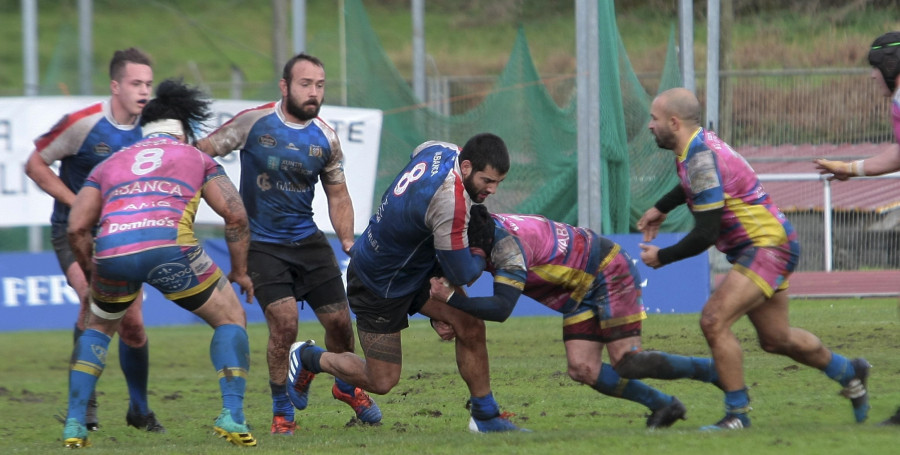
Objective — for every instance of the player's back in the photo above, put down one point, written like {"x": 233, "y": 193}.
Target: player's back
{"x": 150, "y": 195}
{"x": 422, "y": 209}
{"x": 750, "y": 215}
{"x": 560, "y": 259}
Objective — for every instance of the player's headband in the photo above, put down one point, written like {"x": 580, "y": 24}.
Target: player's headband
{"x": 168, "y": 126}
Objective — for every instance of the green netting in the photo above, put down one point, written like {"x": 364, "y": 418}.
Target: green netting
{"x": 540, "y": 135}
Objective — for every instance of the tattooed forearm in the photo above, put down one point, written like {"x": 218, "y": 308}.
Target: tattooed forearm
{"x": 234, "y": 207}
{"x": 236, "y": 233}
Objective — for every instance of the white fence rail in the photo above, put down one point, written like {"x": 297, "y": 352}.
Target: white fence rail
{"x": 850, "y": 225}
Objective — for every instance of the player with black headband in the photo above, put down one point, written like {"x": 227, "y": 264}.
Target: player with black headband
{"x": 142, "y": 202}
{"x": 884, "y": 56}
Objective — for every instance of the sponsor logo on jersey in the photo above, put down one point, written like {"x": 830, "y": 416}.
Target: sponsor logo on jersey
{"x": 102, "y": 149}
{"x": 291, "y": 166}
{"x": 262, "y": 181}
{"x": 291, "y": 146}
{"x": 145, "y": 223}
{"x": 148, "y": 186}
{"x": 293, "y": 187}
{"x": 170, "y": 277}
{"x": 315, "y": 150}
{"x": 273, "y": 162}
{"x": 267, "y": 141}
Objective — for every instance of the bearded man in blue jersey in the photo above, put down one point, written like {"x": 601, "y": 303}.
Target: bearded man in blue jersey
{"x": 418, "y": 231}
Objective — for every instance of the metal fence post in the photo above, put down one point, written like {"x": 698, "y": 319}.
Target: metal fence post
{"x": 826, "y": 212}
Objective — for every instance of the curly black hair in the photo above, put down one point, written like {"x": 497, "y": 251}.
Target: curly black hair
{"x": 178, "y": 101}
{"x": 480, "y": 231}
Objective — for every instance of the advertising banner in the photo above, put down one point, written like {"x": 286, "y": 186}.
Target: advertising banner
{"x": 23, "y": 119}
{"x": 34, "y": 294}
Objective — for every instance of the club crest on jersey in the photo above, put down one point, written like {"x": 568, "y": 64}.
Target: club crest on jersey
{"x": 267, "y": 141}
{"x": 102, "y": 149}
{"x": 315, "y": 150}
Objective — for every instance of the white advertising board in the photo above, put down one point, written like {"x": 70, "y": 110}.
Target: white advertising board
{"x": 23, "y": 119}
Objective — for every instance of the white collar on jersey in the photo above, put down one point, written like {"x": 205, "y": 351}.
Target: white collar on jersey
{"x": 168, "y": 126}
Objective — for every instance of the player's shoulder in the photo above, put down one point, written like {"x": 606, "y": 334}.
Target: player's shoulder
{"x": 250, "y": 116}
{"x": 433, "y": 147}
{"x": 94, "y": 111}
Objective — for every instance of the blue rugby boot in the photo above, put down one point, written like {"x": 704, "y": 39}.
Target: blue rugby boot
{"x": 856, "y": 389}
{"x": 299, "y": 378}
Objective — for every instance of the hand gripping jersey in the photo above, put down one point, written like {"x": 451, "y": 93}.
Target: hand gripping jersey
{"x": 425, "y": 208}
{"x": 81, "y": 140}
{"x": 714, "y": 176}
{"x": 150, "y": 195}
{"x": 551, "y": 262}
{"x": 280, "y": 165}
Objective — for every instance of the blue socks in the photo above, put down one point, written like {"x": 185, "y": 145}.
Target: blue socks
{"x": 309, "y": 357}
{"x": 135, "y": 363}
{"x": 281, "y": 404}
{"x": 230, "y": 354}
{"x": 88, "y": 362}
{"x": 610, "y": 383}
{"x": 345, "y": 387}
{"x": 484, "y": 408}
{"x": 840, "y": 369}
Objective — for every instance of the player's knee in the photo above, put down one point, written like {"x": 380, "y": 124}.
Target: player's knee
{"x": 382, "y": 387}
{"x": 582, "y": 373}
{"x": 469, "y": 328}
{"x": 710, "y": 324}
{"x": 774, "y": 345}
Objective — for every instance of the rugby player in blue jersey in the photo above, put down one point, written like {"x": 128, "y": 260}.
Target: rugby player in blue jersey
{"x": 285, "y": 149}
{"x": 80, "y": 141}
{"x": 417, "y": 232}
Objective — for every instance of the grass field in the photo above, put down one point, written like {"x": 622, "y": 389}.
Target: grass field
{"x": 797, "y": 410}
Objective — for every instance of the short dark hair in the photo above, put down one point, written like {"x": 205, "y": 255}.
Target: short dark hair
{"x": 175, "y": 100}
{"x": 286, "y": 72}
{"x": 122, "y": 57}
{"x": 486, "y": 149}
{"x": 884, "y": 54}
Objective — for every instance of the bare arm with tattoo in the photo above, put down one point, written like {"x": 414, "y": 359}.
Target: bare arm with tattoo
{"x": 224, "y": 199}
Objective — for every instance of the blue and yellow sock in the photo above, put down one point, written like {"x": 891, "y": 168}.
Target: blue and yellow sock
{"x": 88, "y": 362}
{"x": 230, "y": 354}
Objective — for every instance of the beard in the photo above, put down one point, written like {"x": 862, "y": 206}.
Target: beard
{"x": 303, "y": 112}
{"x": 474, "y": 193}
{"x": 665, "y": 140}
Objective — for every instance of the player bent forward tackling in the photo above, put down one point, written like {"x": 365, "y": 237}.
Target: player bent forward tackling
{"x": 593, "y": 282}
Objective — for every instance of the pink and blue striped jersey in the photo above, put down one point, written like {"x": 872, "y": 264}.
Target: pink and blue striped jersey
{"x": 150, "y": 192}
{"x": 554, "y": 263}
{"x": 81, "y": 140}
{"x": 714, "y": 176}
{"x": 281, "y": 162}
